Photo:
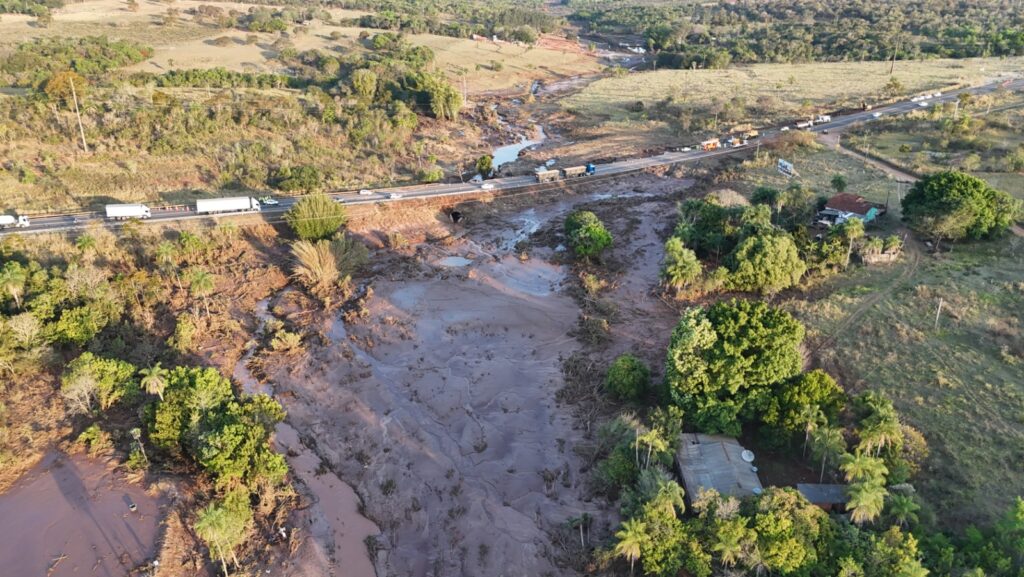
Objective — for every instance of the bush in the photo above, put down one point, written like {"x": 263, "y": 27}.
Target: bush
{"x": 766, "y": 263}
{"x": 300, "y": 178}
{"x": 430, "y": 175}
{"x": 627, "y": 378}
{"x": 586, "y": 234}
{"x": 954, "y": 205}
{"x": 316, "y": 217}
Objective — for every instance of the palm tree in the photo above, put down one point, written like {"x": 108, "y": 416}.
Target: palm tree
{"x": 12, "y": 280}
{"x": 86, "y": 244}
{"x": 154, "y": 380}
{"x": 732, "y": 537}
{"x": 166, "y": 257}
{"x": 201, "y": 285}
{"x": 811, "y": 415}
{"x": 881, "y": 433}
{"x": 860, "y": 467}
{"x": 828, "y": 443}
{"x": 867, "y": 499}
{"x": 632, "y": 538}
{"x": 903, "y": 510}
{"x": 654, "y": 441}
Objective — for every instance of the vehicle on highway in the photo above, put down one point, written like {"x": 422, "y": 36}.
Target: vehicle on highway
{"x": 687, "y": 148}
{"x": 268, "y": 201}
{"x": 228, "y": 204}
{"x": 548, "y": 175}
{"x": 823, "y": 118}
{"x": 804, "y": 125}
{"x": 923, "y": 104}
{"x": 824, "y": 131}
{"x": 937, "y": 95}
{"x": 487, "y": 186}
{"x": 8, "y": 221}
{"x": 365, "y": 192}
{"x": 876, "y": 114}
{"x": 395, "y": 196}
{"x": 126, "y": 211}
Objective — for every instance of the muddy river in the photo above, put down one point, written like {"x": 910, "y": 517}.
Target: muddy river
{"x": 70, "y": 516}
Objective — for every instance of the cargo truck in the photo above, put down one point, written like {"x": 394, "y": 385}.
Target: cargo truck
{"x": 574, "y": 171}
{"x": 230, "y": 204}
{"x": 712, "y": 144}
{"x": 822, "y": 119}
{"x": 126, "y": 211}
{"x": 8, "y": 221}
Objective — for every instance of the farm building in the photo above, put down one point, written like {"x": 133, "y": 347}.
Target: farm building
{"x": 716, "y": 462}
{"x": 828, "y": 497}
{"x": 845, "y": 206}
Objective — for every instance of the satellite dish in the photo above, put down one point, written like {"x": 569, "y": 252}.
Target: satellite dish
{"x": 747, "y": 456}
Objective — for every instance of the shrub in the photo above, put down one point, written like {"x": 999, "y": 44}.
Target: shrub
{"x": 300, "y": 178}
{"x": 954, "y": 205}
{"x": 430, "y": 175}
{"x": 766, "y": 263}
{"x": 586, "y": 234}
{"x": 316, "y": 217}
{"x": 90, "y": 378}
{"x": 627, "y": 378}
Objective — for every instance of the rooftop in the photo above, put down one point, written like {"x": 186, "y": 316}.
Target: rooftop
{"x": 715, "y": 462}
{"x": 823, "y": 494}
{"x": 847, "y": 202}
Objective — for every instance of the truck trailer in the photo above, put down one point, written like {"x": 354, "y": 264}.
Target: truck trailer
{"x": 8, "y": 221}
{"x": 712, "y": 144}
{"x": 574, "y": 171}
{"x": 126, "y": 211}
{"x": 229, "y": 204}
{"x": 548, "y": 175}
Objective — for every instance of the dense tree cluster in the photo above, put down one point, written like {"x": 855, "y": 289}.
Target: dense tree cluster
{"x": 737, "y": 365}
{"x": 955, "y": 205}
{"x": 512, "y": 21}
{"x": 32, "y": 63}
{"x": 33, "y": 7}
{"x": 712, "y": 35}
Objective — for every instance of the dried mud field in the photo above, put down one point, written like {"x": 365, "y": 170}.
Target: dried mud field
{"x": 440, "y": 406}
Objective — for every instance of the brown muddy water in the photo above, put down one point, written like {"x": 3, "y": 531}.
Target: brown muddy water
{"x": 70, "y": 517}
{"x": 334, "y": 519}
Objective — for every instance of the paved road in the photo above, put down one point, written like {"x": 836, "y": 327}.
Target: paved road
{"x": 70, "y": 222}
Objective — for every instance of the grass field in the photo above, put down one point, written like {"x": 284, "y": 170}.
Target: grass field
{"x": 827, "y": 85}
{"x": 960, "y": 383}
{"x": 815, "y": 168}
{"x": 917, "y": 144}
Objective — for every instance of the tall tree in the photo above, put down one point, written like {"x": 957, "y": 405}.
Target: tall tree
{"x": 69, "y": 87}
{"x": 224, "y": 524}
{"x": 632, "y": 539}
{"x": 866, "y": 501}
{"x": 828, "y": 443}
{"x": 681, "y": 266}
{"x": 902, "y": 509}
{"x": 154, "y": 380}
{"x": 202, "y": 285}
{"x": 859, "y": 467}
{"x": 954, "y": 205}
{"x": 13, "y": 277}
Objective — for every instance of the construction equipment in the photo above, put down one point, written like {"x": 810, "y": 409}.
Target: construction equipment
{"x": 126, "y": 211}
{"x": 712, "y": 144}
{"x": 230, "y": 204}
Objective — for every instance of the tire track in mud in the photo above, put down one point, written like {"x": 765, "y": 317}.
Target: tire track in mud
{"x": 872, "y": 300}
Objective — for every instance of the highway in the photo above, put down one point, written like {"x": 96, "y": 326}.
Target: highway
{"x": 71, "y": 222}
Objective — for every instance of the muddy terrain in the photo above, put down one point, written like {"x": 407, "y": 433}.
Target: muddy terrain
{"x": 439, "y": 405}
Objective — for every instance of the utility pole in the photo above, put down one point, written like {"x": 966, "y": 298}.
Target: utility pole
{"x": 74, "y": 97}
{"x": 937, "y": 312}
{"x": 892, "y": 66}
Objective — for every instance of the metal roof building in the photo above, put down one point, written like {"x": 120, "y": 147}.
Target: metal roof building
{"x": 715, "y": 462}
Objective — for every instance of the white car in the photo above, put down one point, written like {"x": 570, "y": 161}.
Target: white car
{"x": 365, "y": 192}
{"x": 784, "y": 129}
{"x": 687, "y": 148}
{"x": 487, "y": 186}
{"x": 876, "y": 114}
{"x": 938, "y": 95}
{"x": 394, "y": 196}
{"x": 268, "y": 201}
{"x": 923, "y": 104}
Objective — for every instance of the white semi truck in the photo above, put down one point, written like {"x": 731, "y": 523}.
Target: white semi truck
{"x": 230, "y": 204}
{"x": 126, "y": 211}
{"x": 8, "y": 221}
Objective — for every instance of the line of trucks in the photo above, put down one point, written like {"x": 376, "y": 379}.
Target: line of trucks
{"x": 141, "y": 211}
{"x": 588, "y": 169}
